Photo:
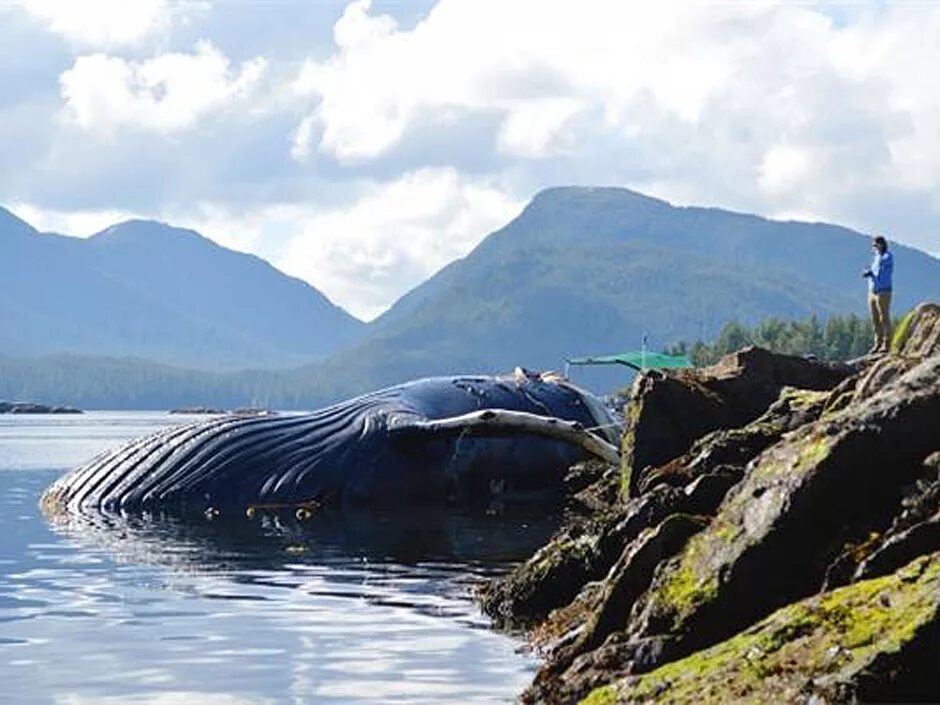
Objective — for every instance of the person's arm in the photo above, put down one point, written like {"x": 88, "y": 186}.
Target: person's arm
{"x": 872, "y": 271}
{"x": 887, "y": 268}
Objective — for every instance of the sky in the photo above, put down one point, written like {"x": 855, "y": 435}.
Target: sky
{"x": 362, "y": 146}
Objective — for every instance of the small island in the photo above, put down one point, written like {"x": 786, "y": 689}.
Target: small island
{"x": 210, "y": 411}
{"x": 198, "y": 410}
{"x": 25, "y": 407}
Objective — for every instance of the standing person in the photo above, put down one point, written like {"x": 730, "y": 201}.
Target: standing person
{"x": 879, "y": 293}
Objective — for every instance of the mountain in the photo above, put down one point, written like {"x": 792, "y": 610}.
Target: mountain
{"x": 146, "y": 289}
{"x": 579, "y": 271}
{"x": 591, "y": 270}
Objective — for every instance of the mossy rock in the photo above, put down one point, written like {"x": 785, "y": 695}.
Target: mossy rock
{"x": 778, "y": 529}
{"x": 669, "y": 411}
{"x": 737, "y": 446}
{"x": 582, "y": 551}
{"x": 902, "y": 331}
{"x": 917, "y": 333}
{"x": 873, "y": 640}
{"x": 631, "y": 575}
{"x": 881, "y": 374}
{"x": 551, "y": 577}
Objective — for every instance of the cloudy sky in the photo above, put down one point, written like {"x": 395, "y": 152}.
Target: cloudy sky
{"x": 363, "y": 145}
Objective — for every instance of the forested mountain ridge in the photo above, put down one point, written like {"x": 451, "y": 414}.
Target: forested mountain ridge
{"x": 146, "y": 289}
{"x": 579, "y": 271}
{"x": 591, "y": 270}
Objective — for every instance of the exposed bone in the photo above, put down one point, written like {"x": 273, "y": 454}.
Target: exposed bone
{"x": 492, "y": 422}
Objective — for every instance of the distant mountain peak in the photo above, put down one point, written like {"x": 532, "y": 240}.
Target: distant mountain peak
{"x": 152, "y": 233}
{"x": 136, "y": 227}
{"x": 593, "y": 195}
{"x": 12, "y": 224}
{"x": 147, "y": 289}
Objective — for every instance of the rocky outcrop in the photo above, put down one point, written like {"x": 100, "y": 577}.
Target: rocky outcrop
{"x": 736, "y": 447}
{"x": 809, "y": 526}
{"x": 669, "y": 412}
{"x": 918, "y": 333}
{"x": 581, "y": 552}
{"x": 778, "y": 531}
{"x": 914, "y": 532}
{"x": 874, "y": 641}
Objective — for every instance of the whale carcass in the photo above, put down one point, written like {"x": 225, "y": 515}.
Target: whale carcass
{"x": 436, "y": 440}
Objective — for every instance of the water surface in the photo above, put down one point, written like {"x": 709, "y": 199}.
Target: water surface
{"x": 354, "y": 608}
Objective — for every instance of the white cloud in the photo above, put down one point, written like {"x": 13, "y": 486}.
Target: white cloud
{"x": 107, "y": 22}
{"x": 532, "y": 128}
{"x": 784, "y": 169}
{"x": 436, "y": 131}
{"x": 165, "y": 94}
{"x": 535, "y": 63}
{"x": 770, "y": 107}
{"x": 368, "y": 253}
{"x": 78, "y": 223}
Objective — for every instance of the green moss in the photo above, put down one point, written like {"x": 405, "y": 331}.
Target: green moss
{"x": 832, "y": 636}
{"x": 687, "y": 586}
{"x": 902, "y": 331}
{"x": 692, "y": 579}
{"x": 801, "y": 398}
{"x": 838, "y": 403}
{"x": 812, "y": 453}
{"x": 628, "y": 445}
{"x": 601, "y": 696}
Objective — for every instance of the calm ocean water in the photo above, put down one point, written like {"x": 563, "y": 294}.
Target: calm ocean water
{"x": 357, "y": 608}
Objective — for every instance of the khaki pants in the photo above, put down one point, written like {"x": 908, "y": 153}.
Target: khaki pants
{"x": 880, "y": 307}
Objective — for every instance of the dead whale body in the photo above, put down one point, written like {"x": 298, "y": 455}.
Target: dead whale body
{"x": 439, "y": 440}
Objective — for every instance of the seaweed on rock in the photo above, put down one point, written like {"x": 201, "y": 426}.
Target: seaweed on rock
{"x": 872, "y": 640}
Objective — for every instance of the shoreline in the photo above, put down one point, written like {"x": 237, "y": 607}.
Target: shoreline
{"x": 768, "y": 510}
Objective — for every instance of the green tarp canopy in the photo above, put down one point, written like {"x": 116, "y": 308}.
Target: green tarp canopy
{"x": 636, "y": 360}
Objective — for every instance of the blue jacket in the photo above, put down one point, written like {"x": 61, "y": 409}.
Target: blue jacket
{"x": 879, "y": 276}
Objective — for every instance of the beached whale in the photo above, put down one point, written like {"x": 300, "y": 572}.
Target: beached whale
{"x": 438, "y": 440}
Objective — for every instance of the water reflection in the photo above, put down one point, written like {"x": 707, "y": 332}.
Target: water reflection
{"x": 402, "y": 550}
{"x": 342, "y": 608}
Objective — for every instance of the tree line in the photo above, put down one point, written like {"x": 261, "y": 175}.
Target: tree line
{"x": 838, "y": 338}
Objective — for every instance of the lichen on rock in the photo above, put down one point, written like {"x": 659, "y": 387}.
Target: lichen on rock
{"x": 777, "y": 531}
{"x": 776, "y": 539}
{"x": 870, "y": 639}
{"x": 917, "y": 334}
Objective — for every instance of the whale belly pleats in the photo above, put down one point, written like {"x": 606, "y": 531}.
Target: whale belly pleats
{"x": 396, "y": 444}
{"x": 232, "y": 461}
